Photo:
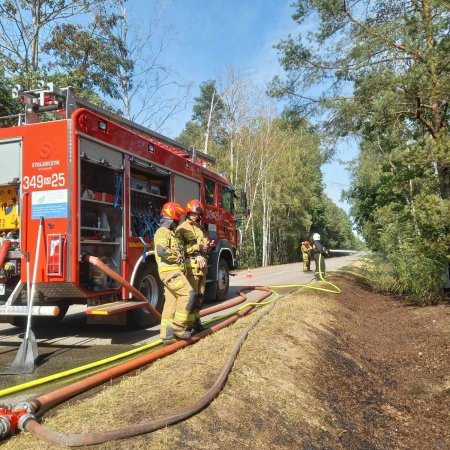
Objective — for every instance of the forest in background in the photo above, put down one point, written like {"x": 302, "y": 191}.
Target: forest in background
{"x": 276, "y": 160}
{"x": 382, "y": 72}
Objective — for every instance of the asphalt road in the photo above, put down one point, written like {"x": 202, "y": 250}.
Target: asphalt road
{"x": 74, "y": 343}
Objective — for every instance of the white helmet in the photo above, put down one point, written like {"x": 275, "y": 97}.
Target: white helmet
{"x": 316, "y": 237}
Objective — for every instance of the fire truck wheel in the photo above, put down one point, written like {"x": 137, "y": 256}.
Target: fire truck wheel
{"x": 223, "y": 280}
{"x": 147, "y": 282}
{"x": 40, "y": 322}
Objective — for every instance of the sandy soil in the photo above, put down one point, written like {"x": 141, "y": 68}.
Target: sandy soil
{"x": 359, "y": 370}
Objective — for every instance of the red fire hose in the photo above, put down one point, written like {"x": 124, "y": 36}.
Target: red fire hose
{"x": 97, "y": 262}
{"x": 47, "y": 401}
{"x": 78, "y": 440}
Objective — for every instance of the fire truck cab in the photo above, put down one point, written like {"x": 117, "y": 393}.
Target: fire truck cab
{"x": 81, "y": 181}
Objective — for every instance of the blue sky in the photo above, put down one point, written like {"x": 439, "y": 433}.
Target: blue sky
{"x": 209, "y": 36}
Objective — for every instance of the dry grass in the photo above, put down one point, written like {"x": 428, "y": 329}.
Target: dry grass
{"x": 358, "y": 370}
{"x": 269, "y": 400}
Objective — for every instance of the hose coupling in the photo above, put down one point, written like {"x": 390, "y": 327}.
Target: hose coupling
{"x": 23, "y": 406}
{"x": 13, "y": 419}
{"x": 23, "y": 420}
{"x": 5, "y": 425}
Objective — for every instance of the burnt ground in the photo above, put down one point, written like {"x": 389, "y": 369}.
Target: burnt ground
{"x": 386, "y": 373}
{"x": 358, "y": 370}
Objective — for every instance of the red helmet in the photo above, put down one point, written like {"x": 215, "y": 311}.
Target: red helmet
{"x": 194, "y": 206}
{"x": 172, "y": 210}
{"x": 307, "y": 243}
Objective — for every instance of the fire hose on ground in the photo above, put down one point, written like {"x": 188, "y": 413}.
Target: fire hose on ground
{"x": 97, "y": 262}
{"x": 23, "y": 415}
{"x": 57, "y": 376}
{"x": 24, "y": 412}
{"x": 205, "y": 312}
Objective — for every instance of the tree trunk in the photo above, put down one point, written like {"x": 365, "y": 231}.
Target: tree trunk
{"x": 254, "y": 242}
{"x": 231, "y": 158}
{"x": 36, "y": 17}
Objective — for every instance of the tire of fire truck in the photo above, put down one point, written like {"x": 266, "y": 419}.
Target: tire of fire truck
{"x": 223, "y": 280}
{"x": 148, "y": 282}
{"x": 42, "y": 322}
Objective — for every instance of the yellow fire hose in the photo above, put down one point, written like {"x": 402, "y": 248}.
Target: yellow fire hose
{"x": 25, "y": 413}
{"x": 102, "y": 362}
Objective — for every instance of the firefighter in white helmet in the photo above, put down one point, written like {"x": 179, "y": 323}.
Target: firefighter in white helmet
{"x": 179, "y": 296}
{"x": 196, "y": 246}
{"x": 319, "y": 252}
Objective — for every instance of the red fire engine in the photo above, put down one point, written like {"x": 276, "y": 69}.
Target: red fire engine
{"x": 93, "y": 183}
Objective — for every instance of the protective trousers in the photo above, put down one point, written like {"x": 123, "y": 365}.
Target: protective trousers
{"x": 179, "y": 301}
{"x": 306, "y": 262}
{"x": 319, "y": 260}
{"x": 197, "y": 283}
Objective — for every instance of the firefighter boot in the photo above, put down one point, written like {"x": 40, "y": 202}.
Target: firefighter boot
{"x": 169, "y": 337}
{"x": 198, "y": 327}
{"x": 185, "y": 334}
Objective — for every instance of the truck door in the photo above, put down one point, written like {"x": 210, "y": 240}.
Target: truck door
{"x": 211, "y": 210}
{"x": 226, "y": 214}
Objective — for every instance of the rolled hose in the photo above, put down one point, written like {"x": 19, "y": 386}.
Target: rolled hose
{"x": 4, "y": 252}
{"x": 77, "y": 440}
{"x": 95, "y": 261}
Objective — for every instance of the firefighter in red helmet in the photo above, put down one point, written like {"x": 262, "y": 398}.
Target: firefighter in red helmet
{"x": 306, "y": 250}
{"x": 196, "y": 246}
{"x": 179, "y": 296}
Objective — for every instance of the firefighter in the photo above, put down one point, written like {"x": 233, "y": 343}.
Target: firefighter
{"x": 306, "y": 254}
{"x": 179, "y": 295}
{"x": 196, "y": 246}
{"x": 319, "y": 252}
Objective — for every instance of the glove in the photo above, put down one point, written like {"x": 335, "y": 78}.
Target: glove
{"x": 201, "y": 262}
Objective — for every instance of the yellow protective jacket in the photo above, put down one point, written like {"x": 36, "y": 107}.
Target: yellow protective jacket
{"x": 193, "y": 239}
{"x": 168, "y": 251}
{"x": 306, "y": 251}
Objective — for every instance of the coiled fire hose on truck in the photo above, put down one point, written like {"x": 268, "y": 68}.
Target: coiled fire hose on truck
{"x": 45, "y": 402}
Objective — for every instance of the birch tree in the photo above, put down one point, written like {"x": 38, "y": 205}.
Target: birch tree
{"x": 240, "y": 106}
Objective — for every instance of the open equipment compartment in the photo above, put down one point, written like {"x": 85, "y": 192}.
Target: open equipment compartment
{"x": 149, "y": 190}
{"x": 101, "y": 222}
